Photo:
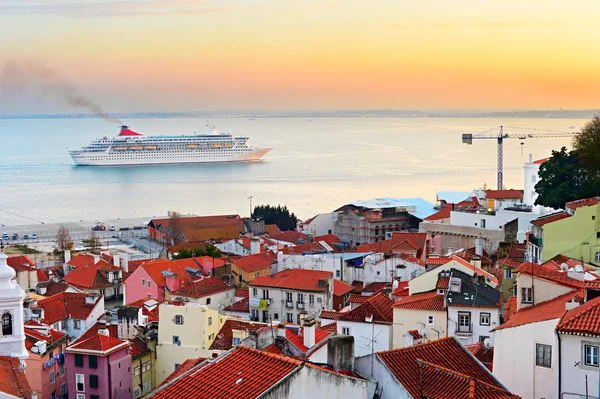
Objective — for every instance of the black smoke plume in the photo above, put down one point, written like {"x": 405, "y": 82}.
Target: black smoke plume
{"x": 20, "y": 73}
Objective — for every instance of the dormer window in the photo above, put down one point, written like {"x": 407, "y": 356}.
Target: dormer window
{"x": 7, "y": 325}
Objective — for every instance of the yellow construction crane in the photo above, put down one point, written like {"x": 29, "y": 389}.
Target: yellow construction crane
{"x": 468, "y": 138}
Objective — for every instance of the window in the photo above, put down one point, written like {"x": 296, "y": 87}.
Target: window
{"x": 93, "y": 361}
{"x": 337, "y": 274}
{"x": 319, "y": 300}
{"x": 543, "y": 355}
{"x": 265, "y": 294}
{"x": 147, "y": 386}
{"x": 254, "y": 292}
{"x": 143, "y": 283}
{"x": 590, "y": 355}
{"x": 484, "y": 319}
{"x": 483, "y": 223}
{"x": 275, "y": 316}
{"x": 80, "y": 382}
{"x": 378, "y": 273}
{"x": 345, "y": 330}
{"x": 430, "y": 320}
{"x": 597, "y": 256}
{"x": 94, "y": 396}
{"x": 61, "y": 369}
{"x": 289, "y": 317}
{"x": 179, "y": 319}
{"x": 77, "y": 324}
{"x": 289, "y": 297}
{"x": 210, "y": 320}
{"x": 148, "y": 283}
{"x": 514, "y": 290}
{"x": 208, "y": 301}
{"x": 52, "y": 377}
{"x": 78, "y": 360}
{"x": 80, "y": 396}
{"x": 177, "y": 365}
{"x": 300, "y": 298}
{"x": 146, "y": 366}
{"x": 508, "y": 275}
{"x": 311, "y": 299}
{"x": 526, "y": 295}
{"x": 240, "y": 279}
{"x": 136, "y": 371}
{"x": 93, "y": 381}
{"x": 464, "y": 321}
{"x": 137, "y": 393}
{"x": 236, "y": 341}
{"x": 63, "y": 325}
{"x": 482, "y": 338}
{"x": 176, "y": 340}
{"x": 7, "y": 324}
{"x": 63, "y": 389}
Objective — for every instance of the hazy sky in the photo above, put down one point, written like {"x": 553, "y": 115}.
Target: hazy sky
{"x": 143, "y": 55}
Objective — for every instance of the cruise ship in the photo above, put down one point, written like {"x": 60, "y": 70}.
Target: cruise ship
{"x": 132, "y": 148}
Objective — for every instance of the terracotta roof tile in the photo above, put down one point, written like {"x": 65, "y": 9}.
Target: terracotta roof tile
{"x": 550, "y": 271}
{"x": 439, "y": 215}
{"x": 511, "y": 308}
{"x": 399, "y": 241}
{"x": 273, "y": 348}
{"x": 98, "y": 343}
{"x": 437, "y": 260}
{"x": 340, "y": 288}
{"x": 243, "y": 305}
{"x": 290, "y": 236}
{"x": 503, "y": 194}
{"x": 202, "y": 287}
{"x": 55, "y": 287}
{"x": 330, "y": 242}
{"x": 583, "y": 320}
{"x": 330, "y": 314}
{"x": 376, "y": 287}
{"x": 378, "y": 308}
{"x": 186, "y": 366}
{"x": 20, "y": 263}
{"x": 272, "y": 229}
{"x": 412, "y": 259}
{"x": 331, "y": 328}
{"x": 81, "y": 260}
{"x": 65, "y": 304}
{"x": 541, "y": 161}
{"x": 224, "y": 339}
{"x": 254, "y": 263}
{"x": 138, "y": 347}
{"x": 402, "y": 289}
{"x": 483, "y": 353}
{"x": 354, "y": 298}
{"x": 88, "y": 276}
{"x": 33, "y": 335}
{"x": 298, "y": 340}
{"x": 423, "y": 301}
{"x": 113, "y": 331}
{"x": 548, "y": 310}
{"x": 156, "y": 267}
{"x": 296, "y": 279}
{"x": 582, "y": 202}
{"x": 415, "y": 334}
{"x": 301, "y": 248}
{"x": 241, "y": 374}
{"x": 541, "y": 221}
{"x": 445, "y": 355}
{"x": 442, "y": 283}
{"x": 12, "y": 378}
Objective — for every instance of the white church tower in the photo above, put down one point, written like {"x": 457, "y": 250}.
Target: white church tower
{"x": 12, "y": 331}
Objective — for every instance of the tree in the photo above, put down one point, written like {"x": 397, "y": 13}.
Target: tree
{"x": 278, "y": 215}
{"x": 63, "y": 241}
{"x": 196, "y": 252}
{"x": 94, "y": 243}
{"x": 175, "y": 228}
{"x": 586, "y": 146}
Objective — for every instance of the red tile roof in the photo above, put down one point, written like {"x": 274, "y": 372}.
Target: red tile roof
{"x": 242, "y": 374}
{"x": 354, "y": 298}
{"x": 113, "y": 331}
{"x": 55, "y": 287}
{"x": 485, "y": 354}
{"x": 20, "y": 262}
{"x": 503, "y": 194}
{"x": 272, "y": 229}
{"x": 330, "y": 314}
{"x": 203, "y": 287}
{"x": 156, "y": 267}
{"x": 399, "y": 242}
{"x": 541, "y": 161}
{"x": 87, "y": 277}
{"x": 138, "y": 347}
{"x": 549, "y": 271}
{"x": 477, "y": 270}
{"x": 254, "y": 263}
{"x": 331, "y": 328}
{"x": 33, "y": 335}
{"x": 243, "y": 305}
{"x": 378, "y": 308}
{"x": 12, "y": 378}
{"x": 583, "y": 320}
{"x": 412, "y": 259}
{"x": 273, "y": 348}
{"x": 376, "y": 286}
{"x": 290, "y": 236}
{"x": 98, "y": 343}
{"x": 187, "y": 365}
{"x": 61, "y": 306}
{"x": 559, "y": 259}
{"x": 541, "y": 221}
{"x": 445, "y": 353}
{"x": 437, "y": 260}
{"x": 548, "y": 310}
{"x": 331, "y": 241}
{"x": 442, "y": 214}
{"x": 442, "y": 282}
{"x": 81, "y": 260}
{"x": 582, "y": 202}
{"x": 402, "y": 289}
{"x": 299, "y": 249}
{"x": 340, "y": 288}
{"x": 298, "y": 340}
{"x": 224, "y": 339}
{"x": 423, "y": 301}
{"x": 243, "y": 292}
{"x": 510, "y": 262}
{"x": 415, "y": 334}
{"x": 511, "y": 308}
{"x": 295, "y": 279}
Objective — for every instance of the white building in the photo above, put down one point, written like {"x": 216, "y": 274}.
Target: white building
{"x": 12, "y": 334}
{"x": 286, "y": 295}
{"x": 531, "y": 177}
{"x": 337, "y": 263}
{"x": 212, "y": 292}
{"x": 379, "y": 267}
{"x": 319, "y": 225}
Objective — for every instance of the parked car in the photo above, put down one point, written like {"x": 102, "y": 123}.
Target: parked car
{"x": 34, "y": 236}
{"x": 15, "y": 236}
{"x": 26, "y": 236}
{"x": 112, "y": 227}
{"x": 5, "y": 236}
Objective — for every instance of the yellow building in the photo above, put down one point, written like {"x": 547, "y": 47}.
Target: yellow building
{"x": 574, "y": 232}
{"x": 184, "y": 332}
{"x": 424, "y": 313}
{"x": 142, "y": 363}
{"x": 246, "y": 269}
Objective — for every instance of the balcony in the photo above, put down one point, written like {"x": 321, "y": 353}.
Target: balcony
{"x": 289, "y": 305}
{"x": 464, "y": 329}
{"x": 117, "y": 281}
{"x": 538, "y": 242}
{"x": 300, "y": 305}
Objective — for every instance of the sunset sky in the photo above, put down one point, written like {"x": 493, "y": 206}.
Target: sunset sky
{"x": 146, "y": 55}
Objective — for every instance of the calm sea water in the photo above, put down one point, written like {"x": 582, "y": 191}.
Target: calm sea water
{"x": 315, "y": 166}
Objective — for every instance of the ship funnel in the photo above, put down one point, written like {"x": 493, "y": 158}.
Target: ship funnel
{"x": 124, "y": 127}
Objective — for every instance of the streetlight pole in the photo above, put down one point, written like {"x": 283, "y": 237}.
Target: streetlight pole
{"x": 250, "y": 198}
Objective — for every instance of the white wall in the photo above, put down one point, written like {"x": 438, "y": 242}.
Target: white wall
{"x": 218, "y": 300}
{"x": 514, "y": 364}
{"x": 573, "y": 368}
{"x": 376, "y": 268}
{"x": 364, "y": 333}
{"x": 322, "y": 224}
{"x": 478, "y": 330}
{"x": 323, "y": 262}
{"x": 279, "y": 299}
{"x": 234, "y": 247}
{"x": 543, "y": 290}
{"x": 390, "y": 388}
{"x": 493, "y": 222}
{"x": 416, "y": 319}
{"x": 319, "y": 356}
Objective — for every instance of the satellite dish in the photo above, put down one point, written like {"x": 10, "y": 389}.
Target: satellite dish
{"x": 564, "y": 267}
{"x": 423, "y": 332}
{"x": 395, "y": 285}
{"x": 487, "y": 342}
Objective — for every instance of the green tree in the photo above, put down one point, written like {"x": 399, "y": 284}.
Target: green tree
{"x": 196, "y": 252}
{"x": 278, "y": 215}
{"x": 586, "y": 145}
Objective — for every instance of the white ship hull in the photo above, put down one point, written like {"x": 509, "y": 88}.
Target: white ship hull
{"x": 166, "y": 157}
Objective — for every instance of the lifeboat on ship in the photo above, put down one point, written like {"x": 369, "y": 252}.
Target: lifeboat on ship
{"x": 192, "y": 146}
{"x": 150, "y": 147}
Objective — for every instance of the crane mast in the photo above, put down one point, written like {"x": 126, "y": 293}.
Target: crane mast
{"x": 468, "y": 138}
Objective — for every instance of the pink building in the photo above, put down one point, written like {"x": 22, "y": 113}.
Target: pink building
{"x": 99, "y": 367}
{"x": 152, "y": 279}
{"x": 46, "y": 370}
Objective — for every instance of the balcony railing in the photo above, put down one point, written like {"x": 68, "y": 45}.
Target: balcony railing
{"x": 300, "y": 305}
{"x": 289, "y": 305}
{"x": 462, "y": 329}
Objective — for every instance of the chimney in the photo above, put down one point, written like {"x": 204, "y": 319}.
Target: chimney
{"x": 476, "y": 261}
{"x": 530, "y": 158}
{"x": 67, "y": 255}
{"x": 116, "y": 260}
{"x": 90, "y": 299}
{"x": 281, "y": 330}
{"x": 479, "y": 246}
{"x": 96, "y": 258}
{"x": 255, "y": 245}
{"x": 310, "y": 326}
{"x": 124, "y": 261}
{"x": 572, "y": 304}
{"x": 253, "y": 341}
{"x": 103, "y": 331}
{"x": 340, "y": 352}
